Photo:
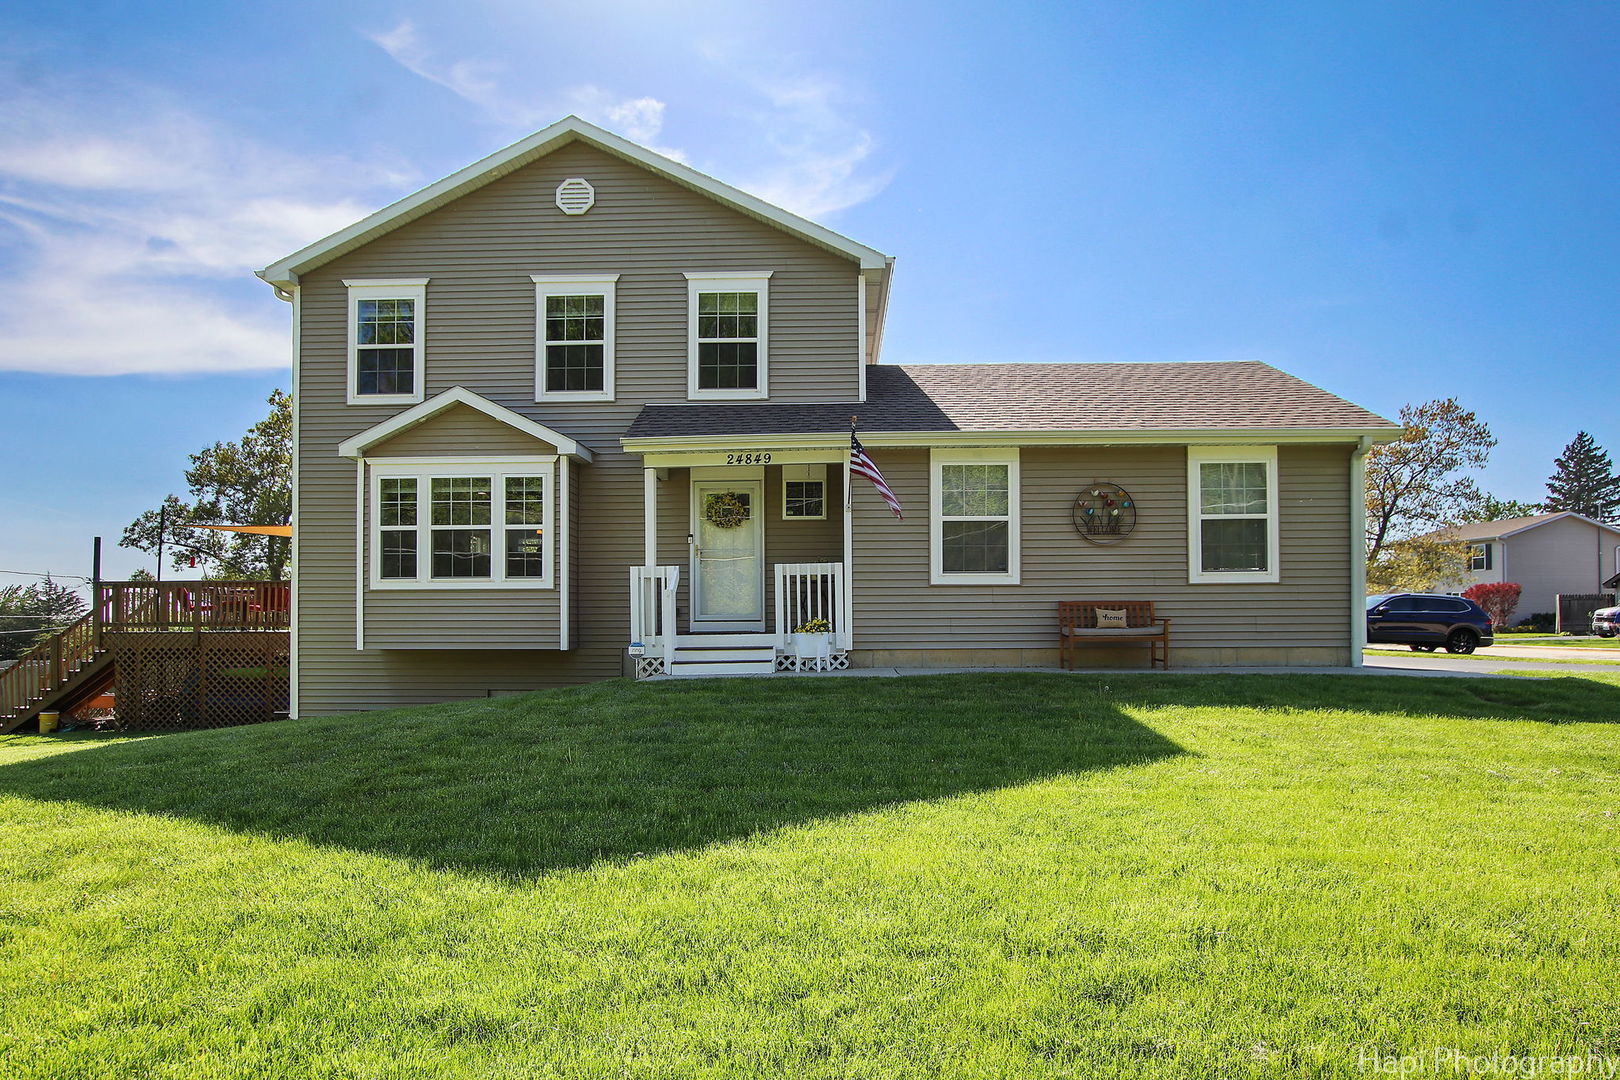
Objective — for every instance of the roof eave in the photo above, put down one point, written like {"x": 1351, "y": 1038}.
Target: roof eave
{"x": 1138, "y": 437}
{"x": 285, "y": 272}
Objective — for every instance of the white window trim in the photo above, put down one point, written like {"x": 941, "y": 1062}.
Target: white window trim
{"x": 603, "y": 285}
{"x": 820, "y": 479}
{"x": 1207, "y": 455}
{"x": 414, "y": 289}
{"x": 1479, "y": 554}
{"x": 423, "y": 470}
{"x": 757, "y": 281}
{"x": 936, "y": 520}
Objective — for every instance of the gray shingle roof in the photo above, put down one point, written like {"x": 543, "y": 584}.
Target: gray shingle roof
{"x": 1037, "y": 397}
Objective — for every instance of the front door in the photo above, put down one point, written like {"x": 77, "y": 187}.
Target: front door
{"x": 728, "y": 564}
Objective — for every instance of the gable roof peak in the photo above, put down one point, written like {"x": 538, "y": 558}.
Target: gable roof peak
{"x": 284, "y": 273}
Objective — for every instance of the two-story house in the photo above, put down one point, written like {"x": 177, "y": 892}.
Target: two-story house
{"x": 579, "y": 396}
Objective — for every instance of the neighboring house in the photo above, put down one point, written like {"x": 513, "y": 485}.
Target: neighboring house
{"x": 1545, "y": 554}
{"x": 579, "y": 395}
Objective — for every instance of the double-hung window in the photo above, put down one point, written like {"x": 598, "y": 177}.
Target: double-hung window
{"x": 728, "y": 317}
{"x": 574, "y": 337}
{"x": 804, "y": 492}
{"x": 1479, "y": 557}
{"x": 386, "y": 346}
{"x": 1232, "y": 514}
{"x": 457, "y": 524}
{"x": 973, "y": 519}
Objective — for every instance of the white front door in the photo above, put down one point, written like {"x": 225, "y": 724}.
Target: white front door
{"x": 728, "y": 557}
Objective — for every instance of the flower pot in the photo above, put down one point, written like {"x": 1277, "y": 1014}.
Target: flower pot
{"x": 811, "y": 646}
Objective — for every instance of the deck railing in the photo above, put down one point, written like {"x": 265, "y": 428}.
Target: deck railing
{"x": 806, "y": 591}
{"x": 652, "y": 610}
{"x": 138, "y": 605}
{"x": 199, "y": 605}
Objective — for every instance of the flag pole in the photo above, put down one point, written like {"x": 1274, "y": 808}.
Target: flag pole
{"x": 849, "y": 452}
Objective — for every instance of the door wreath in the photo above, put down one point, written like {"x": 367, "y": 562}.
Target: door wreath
{"x": 727, "y": 510}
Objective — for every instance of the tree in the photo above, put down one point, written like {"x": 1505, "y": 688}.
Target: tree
{"x": 1498, "y": 598}
{"x": 31, "y": 613}
{"x": 234, "y": 483}
{"x": 1491, "y": 508}
{"x": 1417, "y": 488}
{"x": 1584, "y": 481}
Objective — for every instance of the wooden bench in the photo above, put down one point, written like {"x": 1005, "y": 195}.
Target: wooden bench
{"x": 1077, "y": 625}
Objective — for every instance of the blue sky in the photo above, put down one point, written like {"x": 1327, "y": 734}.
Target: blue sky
{"x": 1397, "y": 201}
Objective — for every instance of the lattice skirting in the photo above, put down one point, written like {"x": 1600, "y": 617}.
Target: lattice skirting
{"x": 648, "y": 666}
{"x": 836, "y": 662}
{"x": 174, "y": 680}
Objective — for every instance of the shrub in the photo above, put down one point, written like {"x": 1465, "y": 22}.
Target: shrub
{"x": 1542, "y": 622}
{"x": 1498, "y": 598}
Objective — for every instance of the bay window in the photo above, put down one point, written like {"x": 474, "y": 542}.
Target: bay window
{"x": 483, "y": 523}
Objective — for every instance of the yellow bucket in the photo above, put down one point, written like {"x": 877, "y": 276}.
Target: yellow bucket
{"x": 49, "y": 722}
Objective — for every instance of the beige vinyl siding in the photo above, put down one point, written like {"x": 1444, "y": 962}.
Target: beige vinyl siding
{"x": 460, "y": 430}
{"x": 478, "y": 253}
{"x": 895, "y": 607}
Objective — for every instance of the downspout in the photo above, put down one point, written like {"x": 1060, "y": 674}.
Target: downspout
{"x": 1358, "y": 549}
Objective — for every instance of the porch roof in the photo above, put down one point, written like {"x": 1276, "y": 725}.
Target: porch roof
{"x": 1133, "y": 398}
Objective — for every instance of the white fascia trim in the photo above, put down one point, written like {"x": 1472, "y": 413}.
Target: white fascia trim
{"x": 1201, "y": 455}
{"x": 1550, "y": 521}
{"x": 882, "y": 311}
{"x": 1169, "y": 437}
{"x": 413, "y": 289}
{"x": 425, "y": 469}
{"x": 754, "y": 281}
{"x": 284, "y": 272}
{"x": 860, "y": 335}
{"x": 936, "y": 522}
{"x": 603, "y": 285}
{"x": 356, "y": 446}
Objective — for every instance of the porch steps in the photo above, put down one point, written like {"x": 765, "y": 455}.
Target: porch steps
{"x": 704, "y": 655}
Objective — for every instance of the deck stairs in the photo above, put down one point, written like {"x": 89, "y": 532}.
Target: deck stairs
{"x": 63, "y": 669}
{"x": 708, "y": 655}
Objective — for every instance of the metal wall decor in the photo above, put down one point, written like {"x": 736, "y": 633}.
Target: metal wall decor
{"x": 1104, "y": 513}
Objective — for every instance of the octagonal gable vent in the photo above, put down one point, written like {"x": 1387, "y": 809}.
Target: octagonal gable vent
{"x": 575, "y": 195}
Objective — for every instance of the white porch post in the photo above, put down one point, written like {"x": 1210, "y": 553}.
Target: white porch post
{"x": 845, "y": 616}
{"x": 649, "y": 516}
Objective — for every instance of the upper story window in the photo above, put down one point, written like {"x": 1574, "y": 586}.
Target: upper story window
{"x": 386, "y": 319}
{"x": 728, "y": 317}
{"x": 973, "y": 517}
{"x": 458, "y": 524}
{"x": 1479, "y": 557}
{"x": 1232, "y": 514}
{"x": 574, "y": 359}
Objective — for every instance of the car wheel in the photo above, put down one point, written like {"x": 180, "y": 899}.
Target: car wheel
{"x": 1423, "y": 648}
{"x": 1462, "y": 642}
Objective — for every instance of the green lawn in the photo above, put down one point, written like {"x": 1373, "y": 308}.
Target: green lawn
{"x": 1564, "y": 643}
{"x": 956, "y": 876}
{"x": 1490, "y": 653}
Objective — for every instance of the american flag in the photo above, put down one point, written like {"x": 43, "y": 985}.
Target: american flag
{"x": 860, "y": 464}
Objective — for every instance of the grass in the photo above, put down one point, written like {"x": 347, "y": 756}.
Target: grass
{"x": 1565, "y": 643}
{"x": 955, "y": 876}
{"x": 1489, "y": 654}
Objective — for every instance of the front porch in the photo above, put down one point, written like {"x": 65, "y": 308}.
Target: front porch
{"x": 741, "y": 549}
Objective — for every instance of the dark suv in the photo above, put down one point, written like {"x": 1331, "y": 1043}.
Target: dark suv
{"x": 1426, "y": 622}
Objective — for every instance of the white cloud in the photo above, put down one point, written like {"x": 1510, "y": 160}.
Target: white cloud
{"x": 818, "y": 161}
{"x": 128, "y": 237}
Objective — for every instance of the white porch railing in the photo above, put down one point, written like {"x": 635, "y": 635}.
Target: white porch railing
{"x": 806, "y": 591}
{"x": 652, "y": 610}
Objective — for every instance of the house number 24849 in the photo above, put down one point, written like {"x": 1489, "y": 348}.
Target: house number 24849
{"x": 748, "y": 459}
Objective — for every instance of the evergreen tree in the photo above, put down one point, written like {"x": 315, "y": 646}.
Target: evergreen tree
{"x": 31, "y": 613}
{"x": 1584, "y": 481}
